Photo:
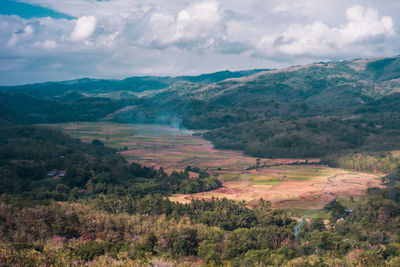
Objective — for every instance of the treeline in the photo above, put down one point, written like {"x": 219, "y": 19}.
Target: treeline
{"x": 116, "y": 231}
{"x": 75, "y": 234}
{"x": 383, "y": 162}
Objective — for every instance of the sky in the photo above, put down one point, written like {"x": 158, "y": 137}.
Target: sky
{"x": 54, "y": 40}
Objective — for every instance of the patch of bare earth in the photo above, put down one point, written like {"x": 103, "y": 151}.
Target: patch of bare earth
{"x": 293, "y": 194}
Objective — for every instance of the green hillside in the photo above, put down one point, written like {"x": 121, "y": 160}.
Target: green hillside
{"x": 302, "y": 111}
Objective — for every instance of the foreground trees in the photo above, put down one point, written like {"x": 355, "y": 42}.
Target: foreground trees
{"x": 152, "y": 229}
{"x": 106, "y": 212}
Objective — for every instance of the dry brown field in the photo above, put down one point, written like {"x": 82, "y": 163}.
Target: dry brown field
{"x": 308, "y": 186}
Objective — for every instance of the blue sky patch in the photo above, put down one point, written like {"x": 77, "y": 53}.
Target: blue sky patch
{"x": 27, "y": 11}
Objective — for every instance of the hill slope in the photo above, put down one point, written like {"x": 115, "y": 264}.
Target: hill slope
{"x": 300, "y": 111}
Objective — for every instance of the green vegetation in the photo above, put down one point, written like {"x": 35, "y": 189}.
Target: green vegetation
{"x": 384, "y": 162}
{"x": 30, "y": 154}
{"x": 309, "y": 111}
{"x": 285, "y": 173}
{"x": 22, "y": 108}
{"x": 68, "y": 203}
{"x": 113, "y": 230}
{"x": 114, "y": 213}
{"x": 252, "y": 178}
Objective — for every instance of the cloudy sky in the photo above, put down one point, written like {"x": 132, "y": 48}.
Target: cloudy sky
{"x": 52, "y": 40}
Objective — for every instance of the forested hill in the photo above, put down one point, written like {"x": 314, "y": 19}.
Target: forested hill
{"x": 302, "y": 111}
{"x": 42, "y": 163}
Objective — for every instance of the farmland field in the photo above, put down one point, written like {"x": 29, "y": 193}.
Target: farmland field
{"x": 164, "y": 146}
{"x": 301, "y": 187}
{"x": 308, "y": 186}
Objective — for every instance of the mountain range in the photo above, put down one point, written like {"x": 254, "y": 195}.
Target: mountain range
{"x": 301, "y": 111}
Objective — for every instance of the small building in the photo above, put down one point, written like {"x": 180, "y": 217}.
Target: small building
{"x": 56, "y": 172}
{"x": 340, "y": 220}
{"x": 52, "y": 173}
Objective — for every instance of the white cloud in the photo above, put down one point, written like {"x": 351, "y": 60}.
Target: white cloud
{"x": 195, "y": 26}
{"x": 109, "y": 40}
{"x": 26, "y": 33}
{"x": 304, "y": 7}
{"x": 192, "y": 37}
{"x": 364, "y": 23}
{"x": 84, "y": 28}
{"x": 50, "y": 44}
{"x": 318, "y": 39}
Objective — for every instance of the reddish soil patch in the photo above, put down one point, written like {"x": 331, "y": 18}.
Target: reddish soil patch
{"x": 225, "y": 190}
{"x": 293, "y": 194}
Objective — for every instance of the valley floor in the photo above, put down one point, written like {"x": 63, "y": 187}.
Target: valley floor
{"x": 303, "y": 186}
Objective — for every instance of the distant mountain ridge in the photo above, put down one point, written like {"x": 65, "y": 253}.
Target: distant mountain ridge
{"x": 132, "y": 84}
{"x": 301, "y": 111}
{"x": 315, "y": 81}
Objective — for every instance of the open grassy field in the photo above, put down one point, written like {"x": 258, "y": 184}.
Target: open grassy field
{"x": 302, "y": 187}
{"x": 274, "y": 175}
{"x": 164, "y": 146}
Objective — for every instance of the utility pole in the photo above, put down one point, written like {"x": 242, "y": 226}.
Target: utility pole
{"x": 77, "y": 130}
{"x": 154, "y": 153}
{"x": 244, "y": 173}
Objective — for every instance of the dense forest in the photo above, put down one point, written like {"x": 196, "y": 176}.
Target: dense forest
{"x": 119, "y": 230}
